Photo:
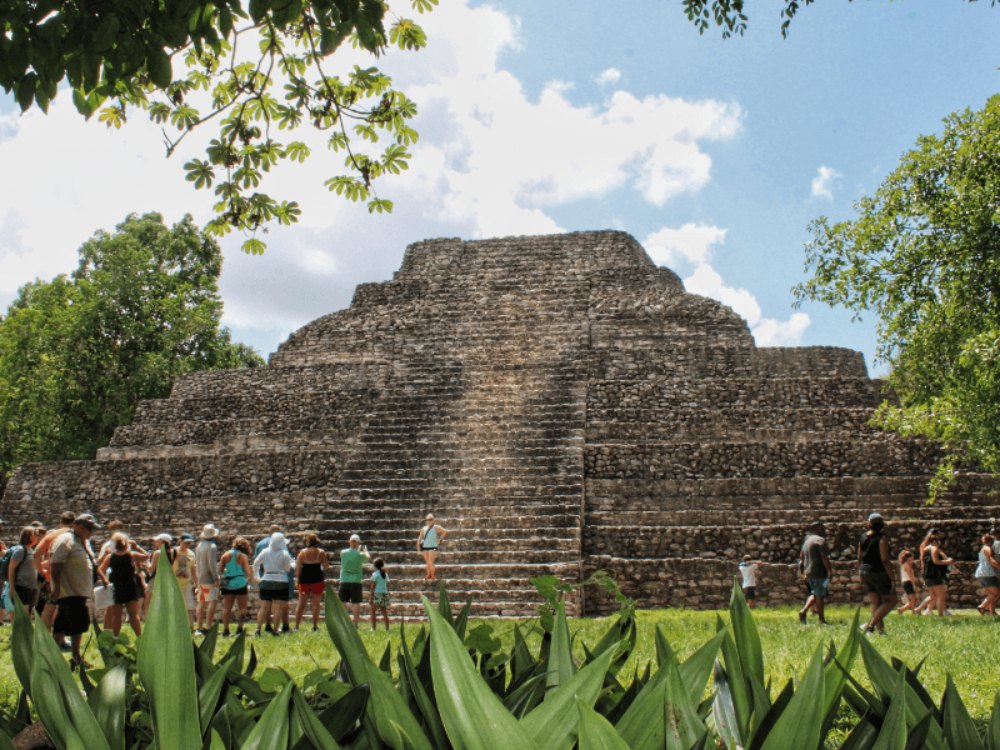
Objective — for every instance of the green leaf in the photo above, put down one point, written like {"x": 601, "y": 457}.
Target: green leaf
{"x": 800, "y": 724}
{"x": 837, "y": 670}
{"x": 56, "y": 695}
{"x": 959, "y": 730}
{"x": 596, "y": 733}
{"x": 473, "y": 716}
{"x": 723, "y": 711}
{"x": 560, "y": 666}
{"x": 746, "y": 637}
{"x": 211, "y": 690}
{"x": 160, "y": 70}
{"x": 682, "y": 725}
{"x": 318, "y": 735}
{"x": 271, "y": 729}
{"x": 432, "y": 719}
{"x": 108, "y": 704}
{"x": 165, "y": 663}
{"x": 993, "y": 730}
{"x": 697, "y": 668}
{"x": 553, "y": 724}
{"x": 386, "y": 713}
{"x": 892, "y": 735}
{"x": 21, "y": 648}
{"x": 741, "y": 694}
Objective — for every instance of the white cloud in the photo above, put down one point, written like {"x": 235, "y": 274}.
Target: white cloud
{"x": 608, "y": 77}
{"x": 707, "y": 282}
{"x": 492, "y": 159}
{"x": 824, "y": 181}
{"x": 691, "y": 243}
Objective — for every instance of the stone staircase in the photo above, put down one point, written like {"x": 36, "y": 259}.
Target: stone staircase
{"x": 560, "y": 404}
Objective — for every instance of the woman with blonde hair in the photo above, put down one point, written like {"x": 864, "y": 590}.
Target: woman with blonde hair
{"x": 311, "y": 569}
{"x": 124, "y": 564}
{"x": 428, "y": 541}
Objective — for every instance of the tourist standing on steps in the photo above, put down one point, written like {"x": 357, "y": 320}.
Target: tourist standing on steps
{"x": 815, "y": 569}
{"x": 236, "y": 576}
{"x": 72, "y": 571}
{"x": 352, "y": 565}
{"x": 430, "y": 538}
{"x": 206, "y": 557}
{"x": 875, "y": 570}
{"x": 748, "y": 569}
{"x": 988, "y": 575}
{"x": 22, "y": 577}
{"x": 311, "y": 568}
{"x": 277, "y": 564}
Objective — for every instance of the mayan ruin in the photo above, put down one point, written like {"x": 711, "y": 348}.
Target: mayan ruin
{"x": 561, "y": 404}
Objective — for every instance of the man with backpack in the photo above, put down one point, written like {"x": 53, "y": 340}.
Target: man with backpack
{"x": 72, "y": 570}
{"x": 43, "y": 552}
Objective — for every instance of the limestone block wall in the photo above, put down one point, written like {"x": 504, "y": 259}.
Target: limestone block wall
{"x": 560, "y": 403}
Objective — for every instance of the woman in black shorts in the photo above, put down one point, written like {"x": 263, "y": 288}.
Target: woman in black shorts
{"x": 234, "y": 567}
{"x": 124, "y": 564}
{"x": 277, "y": 565}
{"x": 875, "y": 570}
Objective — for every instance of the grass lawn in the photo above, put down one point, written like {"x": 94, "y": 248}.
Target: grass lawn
{"x": 966, "y": 645}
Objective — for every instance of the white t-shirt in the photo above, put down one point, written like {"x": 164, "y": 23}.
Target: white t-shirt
{"x": 749, "y": 572}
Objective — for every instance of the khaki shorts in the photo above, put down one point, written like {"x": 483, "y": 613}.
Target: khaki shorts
{"x": 208, "y": 592}
{"x": 188, "y": 593}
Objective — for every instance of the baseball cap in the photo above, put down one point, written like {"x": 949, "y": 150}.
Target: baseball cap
{"x": 88, "y": 520}
{"x": 355, "y": 538}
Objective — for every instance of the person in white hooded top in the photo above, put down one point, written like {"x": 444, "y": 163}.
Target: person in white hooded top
{"x": 276, "y": 563}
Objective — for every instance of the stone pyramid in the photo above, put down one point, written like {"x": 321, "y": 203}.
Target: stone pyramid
{"x": 561, "y": 404}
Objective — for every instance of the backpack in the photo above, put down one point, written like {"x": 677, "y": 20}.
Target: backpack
{"x": 5, "y": 561}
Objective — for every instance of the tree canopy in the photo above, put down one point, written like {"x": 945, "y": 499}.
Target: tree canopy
{"x": 251, "y": 69}
{"x": 923, "y": 255}
{"x": 79, "y": 352}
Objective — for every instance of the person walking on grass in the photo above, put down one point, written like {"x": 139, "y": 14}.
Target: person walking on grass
{"x": 748, "y": 569}
{"x": 988, "y": 575}
{"x": 236, "y": 575}
{"x": 815, "y": 569}
{"x": 936, "y": 564}
{"x": 428, "y": 541}
{"x": 276, "y": 564}
{"x": 908, "y": 577}
{"x": 22, "y": 578}
{"x": 352, "y": 564}
{"x": 311, "y": 568}
{"x": 875, "y": 570}
{"x": 379, "y": 591}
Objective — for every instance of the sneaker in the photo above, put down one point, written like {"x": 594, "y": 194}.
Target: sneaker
{"x": 286, "y": 629}
{"x": 224, "y": 633}
{"x": 947, "y": 613}
{"x": 802, "y": 617}
{"x": 199, "y": 631}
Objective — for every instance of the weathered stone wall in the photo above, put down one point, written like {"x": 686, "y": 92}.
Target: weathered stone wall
{"x": 560, "y": 403}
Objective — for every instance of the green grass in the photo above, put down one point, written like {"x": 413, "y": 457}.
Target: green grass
{"x": 966, "y": 645}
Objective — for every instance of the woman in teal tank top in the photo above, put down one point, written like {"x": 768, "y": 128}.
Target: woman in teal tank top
{"x": 236, "y": 576}
{"x": 431, "y": 536}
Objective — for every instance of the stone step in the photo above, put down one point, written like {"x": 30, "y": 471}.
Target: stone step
{"x": 543, "y": 555}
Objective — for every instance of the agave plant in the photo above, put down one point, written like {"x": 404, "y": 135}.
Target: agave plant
{"x": 457, "y": 687}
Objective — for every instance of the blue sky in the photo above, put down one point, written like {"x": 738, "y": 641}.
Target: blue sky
{"x": 560, "y": 116}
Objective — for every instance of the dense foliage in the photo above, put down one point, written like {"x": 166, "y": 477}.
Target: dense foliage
{"x": 456, "y": 687}
{"x": 78, "y": 353}
{"x": 251, "y": 69}
{"x": 923, "y": 255}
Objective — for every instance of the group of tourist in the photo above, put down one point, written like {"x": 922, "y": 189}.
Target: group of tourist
{"x": 876, "y": 574}
{"x": 56, "y": 574}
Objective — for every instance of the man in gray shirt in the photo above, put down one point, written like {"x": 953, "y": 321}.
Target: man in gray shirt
{"x": 207, "y": 564}
{"x": 815, "y": 569}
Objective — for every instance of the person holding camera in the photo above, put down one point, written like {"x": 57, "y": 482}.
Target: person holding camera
{"x": 352, "y": 565}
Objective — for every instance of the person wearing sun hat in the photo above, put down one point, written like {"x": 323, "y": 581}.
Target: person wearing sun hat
{"x": 72, "y": 573}
{"x": 207, "y": 564}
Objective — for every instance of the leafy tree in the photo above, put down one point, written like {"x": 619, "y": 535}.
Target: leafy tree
{"x": 923, "y": 254}
{"x": 77, "y": 353}
{"x": 730, "y": 16}
{"x": 251, "y": 68}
